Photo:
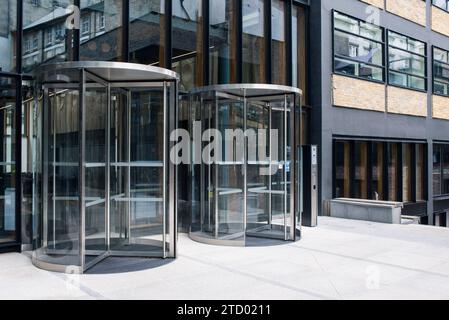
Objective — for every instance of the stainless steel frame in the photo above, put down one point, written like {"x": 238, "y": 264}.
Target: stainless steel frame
{"x": 124, "y": 77}
{"x": 264, "y": 95}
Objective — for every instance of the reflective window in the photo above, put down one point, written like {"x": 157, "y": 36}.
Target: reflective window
{"x": 360, "y": 174}
{"x": 101, "y": 30}
{"x": 187, "y": 21}
{"x": 45, "y": 36}
{"x": 342, "y": 167}
{"x": 441, "y": 169}
{"x": 8, "y": 29}
{"x": 377, "y": 171}
{"x": 440, "y": 71}
{"x": 223, "y": 41}
{"x": 147, "y": 32}
{"x": 406, "y": 62}
{"x": 443, "y": 4}
{"x": 420, "y": 172}
{"x": 436, "y": 172}
{"x": 407, "y": 172}
{"x": 253, "y": 42}
{"x": 7, "y": 161}
{"x": 299, "y": 51}
{"x": 393, "y": 162}
{"x": 358, "y": 48}
{"x": 278, "y": 45}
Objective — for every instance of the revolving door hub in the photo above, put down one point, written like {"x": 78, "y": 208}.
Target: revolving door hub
{"x": 252, "y": 189}
{"x": 101, "y": 165}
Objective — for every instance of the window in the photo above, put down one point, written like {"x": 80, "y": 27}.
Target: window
{"x": 358, "y": 48}
{"x": 380, "y": 170}
{"x": 253, "y": 41}
{"x": 406, "y": 62}
{"x": 35, "y": 3}
{"x": 8, "y": 28}
{"x": 223, "y": 42}
{"x": 278, "y": 45}
{"x": 85, "y": 26}
{"x": 299, "y": 51}
{"x": 443, "y": 4}
{"x": 49, "y": 37}
{"x": 441, "y": 169}
{"x": 440, "y": 71}
{"x": 101, "y": 21}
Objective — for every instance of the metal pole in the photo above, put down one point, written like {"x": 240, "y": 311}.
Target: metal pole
{"x": 165, "y": 172}
{"x": 81, "y": 183}
{"x": 285, "y": 167}
{"x": 245, "y": 165}
{"x": 107, "y": 168}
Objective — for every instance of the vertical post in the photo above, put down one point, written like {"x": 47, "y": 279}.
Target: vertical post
{"x": 128, "y": 168}
{"x": 53, "y": 166}
{"x": 108, "y": 170}
{"x": 81, "y": 183}
{"x": 270, "y": 182}
{"x": 165, "y": 172}
{"x": 285, "y": 166}
{"x": 293, "y": 188}
{"x": 215, "y": 171}
{"x": 46, "y": 110}
{"x": 173, "y": 175}
{"x": 245, "y": 166}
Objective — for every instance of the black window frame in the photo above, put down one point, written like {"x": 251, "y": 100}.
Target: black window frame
{"x": 434, "y": 70}
{"x": 437, "y": 6}
{"x": 426, "y": 73}
{"x": 383, "y": 44}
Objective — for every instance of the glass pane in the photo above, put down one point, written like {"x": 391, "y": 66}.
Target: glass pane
{"x": 223, "y": 41}
{"x": 361, "y": 170}
{"x": 187, "y": 43}
{"x": 278, "y": 56}
{"x": 342, "y": 169}
{"x": 95, "y": 170}
{"x": 420, "y": 172}
{"x": 8, "y": 31}
{"x": 406, "y": 62}
{"x": 392, "y": 172}
{"x": 445, "y": 164}
{"x": 101, "y": 30}
{"x": 146, "y": 32}
{"x": 377, "y": 171}
{"x": 358, "y": 69}
{"x": 45, "y": 34}
{"x": 359, "y": 49}
{"x": 7, "y": 161}
{"x": 436, "y": 174}
{"x": 299, "y": 54}
{"x": 407, "y": 172}
{"x": 253, "y": 41}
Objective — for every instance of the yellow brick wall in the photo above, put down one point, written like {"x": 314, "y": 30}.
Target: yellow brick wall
{"x": 413, "y": 10}
{"x": 440, "y": 107}
{"x": 404, "y": 101}
{"x": 440, "y": 21}
{"x": 359, "y": 94}
{"x": 377, "y": 3}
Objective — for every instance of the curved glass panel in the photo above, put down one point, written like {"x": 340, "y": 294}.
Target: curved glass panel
{"x": 245, "y": 169}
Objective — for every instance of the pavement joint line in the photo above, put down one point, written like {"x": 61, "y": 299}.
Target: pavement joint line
{"x": 263, "y": 279}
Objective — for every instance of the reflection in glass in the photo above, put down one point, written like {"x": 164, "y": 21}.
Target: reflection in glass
{"x": 342, "y": 169}
{"x": 278, "y": 46}
{"x": 436, "y": 173}
{"x": 101, "y": 30}
{"x": 406, "y": 172}
{"x": 187, "y": 52}
{"x": 45, "y": 34}
{"x": 7, "y": 161}
{"x": 393, "y": 172}
{"x": 253, "y": 41}
{"x": 223, "y": 41}
{"x": 377, "y": 171}
{"x": 8, "y": 32}
{"x": 299, "y": 51}
{"x": 361, "y": 166}
{"x": 420, "y": 172}
{"x": 147, "y": 32}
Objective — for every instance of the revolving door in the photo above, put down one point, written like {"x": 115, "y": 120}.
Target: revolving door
{"x": 245, "y": 170}
{"x": 103, "y": 182}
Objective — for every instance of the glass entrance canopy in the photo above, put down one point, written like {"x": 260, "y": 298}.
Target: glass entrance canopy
{"x": 103, "y": 182}
{"x": 245, "y": 170}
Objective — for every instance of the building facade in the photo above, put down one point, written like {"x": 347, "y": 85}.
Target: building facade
{"x": 374, "y": 76}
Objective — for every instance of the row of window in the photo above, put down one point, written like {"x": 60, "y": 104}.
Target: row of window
{"x": 389, "y": 171}
{"x": 242, "y": 45}
{"x": 440, "y": 175}
{"x": 359, "y": 51}
{"x": 443, "y": 4}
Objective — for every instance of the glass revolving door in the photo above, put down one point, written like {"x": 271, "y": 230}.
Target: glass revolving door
{"x": 101, "y": 164}
{"x": 245, "y": 170}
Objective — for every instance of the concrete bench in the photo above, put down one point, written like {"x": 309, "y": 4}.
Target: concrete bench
{"x": 367, "y": 210}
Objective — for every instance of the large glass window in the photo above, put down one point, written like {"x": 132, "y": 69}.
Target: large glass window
{"x": 406, "y": 62}
{"x": 187, "y": 43}
{"x": 442, "y": 4}
{"x": 223, "y": 41}
{"x": 7, "y": 161}
{"x": 358, "y": 48}
{"x": 278, "y": 45}
{"x": 342, "y": 167}
{"x": 440, "y": 71}
{"x": 393, "y": 161}
{"x": 101, "y": 30}
{"x": 253, "y": 41}
{"x": 45, "y": 36}
{"x": 299, "y": 51}
{"x": 407, "y": 172}
{"x": 147, "y": 32}
{"x": 361, "y": 170}
{"x": 8, "y": 32}
{"x": 377, "y": 170}
{"x": 420, "y": 172}
{"x": 441, "y": 169}
{"x": 436, "y": 172}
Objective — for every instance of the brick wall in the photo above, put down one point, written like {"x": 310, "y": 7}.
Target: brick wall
{"x": 440, "y": 107}
{"x": 413, "y": 10}
{"x": 404, "y": 101}
{"x": 440, "y": 21}
{"x": 377, "y": 3}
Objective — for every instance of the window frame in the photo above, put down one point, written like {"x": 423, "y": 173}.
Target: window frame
{"x": 382, "y": 43}
{"x": 437, "y": 6}
{"x": 426, "y": 71}
{"x": 433, "y": 70}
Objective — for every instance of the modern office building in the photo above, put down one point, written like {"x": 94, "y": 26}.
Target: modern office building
{"x": 372, "y": 77}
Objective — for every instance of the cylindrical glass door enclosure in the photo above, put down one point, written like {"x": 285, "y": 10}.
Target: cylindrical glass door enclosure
{"x": 103, "y": 180}
{"x": 245, "y": 170}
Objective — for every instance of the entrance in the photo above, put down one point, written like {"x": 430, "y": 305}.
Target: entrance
{"x": 102, "y": 169}
{"x": 252, "y": 189}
